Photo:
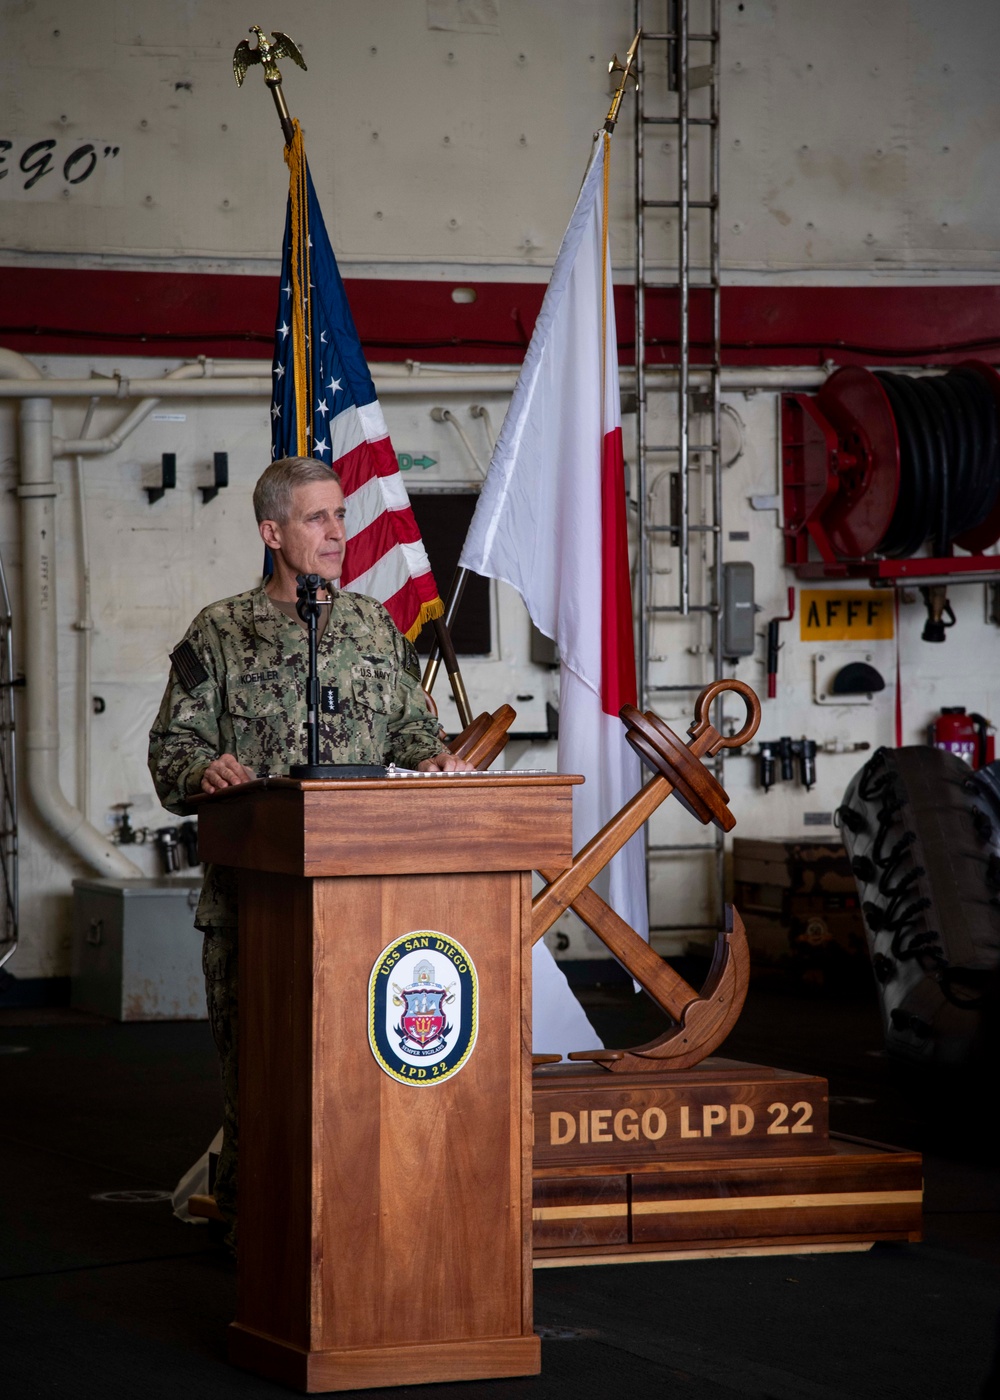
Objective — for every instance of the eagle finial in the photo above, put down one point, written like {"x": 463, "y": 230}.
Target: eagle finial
{"x": 266, "y": 53}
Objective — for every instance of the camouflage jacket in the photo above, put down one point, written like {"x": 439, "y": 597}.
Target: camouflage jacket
{"x": 237, "y": 685}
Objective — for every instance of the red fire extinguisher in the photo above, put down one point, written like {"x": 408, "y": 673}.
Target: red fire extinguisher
{"x": 968, "y": 736}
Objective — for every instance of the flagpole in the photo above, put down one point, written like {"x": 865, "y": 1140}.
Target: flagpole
{"x": 444, "y": 648}
{"x": 461, "y": 575}
{"x": 625, "y": 69}
{"x": 451, "y": 606}
{"x": 443, "y": 645}
{"x": 284, "y": 116}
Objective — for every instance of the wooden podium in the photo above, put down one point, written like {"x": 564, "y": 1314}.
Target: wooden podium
{"x": 385, "y": 1220}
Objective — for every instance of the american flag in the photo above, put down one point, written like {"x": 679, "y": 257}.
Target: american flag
{"x": 325, "y": 406}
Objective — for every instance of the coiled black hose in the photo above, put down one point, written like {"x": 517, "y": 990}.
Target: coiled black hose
{"x": 948, "y": 428}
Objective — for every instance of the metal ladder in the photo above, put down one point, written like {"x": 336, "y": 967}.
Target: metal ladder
{"x": 687, "y": 60}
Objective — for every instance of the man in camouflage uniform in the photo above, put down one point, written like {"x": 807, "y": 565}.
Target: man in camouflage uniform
{"x": 235, "y": 709}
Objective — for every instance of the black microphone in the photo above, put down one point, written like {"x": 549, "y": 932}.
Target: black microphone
{"x": 307, "y": 607}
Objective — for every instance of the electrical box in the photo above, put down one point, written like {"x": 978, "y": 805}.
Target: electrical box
{"x": 136, "y": 951}
{"x": 738, "y": 610}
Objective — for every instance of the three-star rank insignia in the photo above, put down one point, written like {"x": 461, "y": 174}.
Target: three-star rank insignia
{"x": 423, "y": 1008}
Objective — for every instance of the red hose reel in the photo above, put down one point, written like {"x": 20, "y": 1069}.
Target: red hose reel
{"x": 878, "y": 465}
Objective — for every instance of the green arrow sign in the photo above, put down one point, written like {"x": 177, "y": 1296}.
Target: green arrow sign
{"x": 407, "y": 461}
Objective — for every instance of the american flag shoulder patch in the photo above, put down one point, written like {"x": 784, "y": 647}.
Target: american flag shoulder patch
{"x": 186, "y": 662}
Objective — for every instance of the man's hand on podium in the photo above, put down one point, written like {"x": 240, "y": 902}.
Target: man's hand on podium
{"x": 225, "y": 771}
{"x": 445, "y": 763}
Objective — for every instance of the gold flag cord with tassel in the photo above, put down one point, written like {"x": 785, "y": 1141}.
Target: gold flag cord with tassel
{"x": 298, "y": 203}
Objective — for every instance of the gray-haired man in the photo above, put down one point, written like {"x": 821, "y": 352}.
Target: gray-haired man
{"x": 235, "y": 708}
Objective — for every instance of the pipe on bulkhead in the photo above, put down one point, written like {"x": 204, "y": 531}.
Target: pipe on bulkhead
{"x": 85, "y": 446}
{"x": 37, "y": 493}
{"x": 14, "y": 365}
{"x": 214, "y": 382}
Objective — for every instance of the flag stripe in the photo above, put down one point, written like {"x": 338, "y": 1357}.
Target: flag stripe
{"x": 387, "y": 576}
{"x": 617, "y": 643}
{"x": 391, "y": 528}
{"x": 365, "y": 505}
{"x": 345, "y": 433}
{"x": 373, "y": 420}
{"x": 618, "y": 679}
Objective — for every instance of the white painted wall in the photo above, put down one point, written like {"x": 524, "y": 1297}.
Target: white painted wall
{"x": 859, "y": 144}
{"x": 855, "y": 136}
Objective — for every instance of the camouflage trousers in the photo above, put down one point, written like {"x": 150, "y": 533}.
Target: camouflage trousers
{"x": 220, "y": 961}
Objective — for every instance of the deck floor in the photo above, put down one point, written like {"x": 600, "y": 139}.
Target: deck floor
{"x": 104, "y": 1294}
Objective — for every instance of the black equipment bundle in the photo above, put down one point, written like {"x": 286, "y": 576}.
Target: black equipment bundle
{"x": 923, "y": 834}
{"x": 949, "y": 457}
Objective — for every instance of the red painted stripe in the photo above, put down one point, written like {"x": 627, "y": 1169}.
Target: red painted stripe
{"x": 617, "y": 643}
{"x": 70, "y": 311}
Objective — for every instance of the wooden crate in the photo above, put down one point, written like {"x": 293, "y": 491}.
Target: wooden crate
{"x": 800, "y": 906}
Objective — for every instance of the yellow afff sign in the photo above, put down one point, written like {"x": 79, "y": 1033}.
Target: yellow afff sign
{"x": 856, "y": 615}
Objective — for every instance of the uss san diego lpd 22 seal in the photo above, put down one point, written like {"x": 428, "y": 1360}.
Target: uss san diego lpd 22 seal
{"x": 423, "y": 1008}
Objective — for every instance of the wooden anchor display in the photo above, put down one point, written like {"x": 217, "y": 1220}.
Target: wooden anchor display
{"x": 702, "y": 1019}
{"x": 620, "y": 1159}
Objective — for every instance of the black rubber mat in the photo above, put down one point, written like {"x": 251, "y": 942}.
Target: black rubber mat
{"x": 103, "y": 1294}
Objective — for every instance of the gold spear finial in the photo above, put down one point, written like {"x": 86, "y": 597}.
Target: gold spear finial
{"x": 267, "y": 54}
{"x": 625, "y": 69}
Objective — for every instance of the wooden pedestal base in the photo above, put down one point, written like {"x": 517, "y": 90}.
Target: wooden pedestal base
{"x": 857, "y": 1193}
{"x": 720, "y": 1158}
{"x": 721, "y": 1108}
{"x": 363, "y": 1368}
